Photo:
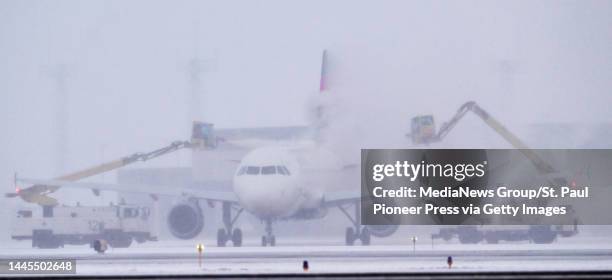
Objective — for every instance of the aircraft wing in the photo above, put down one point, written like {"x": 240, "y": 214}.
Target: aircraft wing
{"x": 153, "y": 190}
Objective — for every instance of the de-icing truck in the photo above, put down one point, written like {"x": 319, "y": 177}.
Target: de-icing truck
{"x": 118, "y": 225}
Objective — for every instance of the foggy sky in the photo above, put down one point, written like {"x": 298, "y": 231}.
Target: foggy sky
{"x": 127, "y": 86}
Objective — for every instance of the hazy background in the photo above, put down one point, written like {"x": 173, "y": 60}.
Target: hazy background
{"x": 117, "y": 72}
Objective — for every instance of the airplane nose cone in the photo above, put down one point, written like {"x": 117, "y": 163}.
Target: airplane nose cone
{"x": 267, "y": 197}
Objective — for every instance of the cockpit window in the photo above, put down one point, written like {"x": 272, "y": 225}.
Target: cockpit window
{"x": 267, "y": 170}
{"x": 241, "y": 171}
{"x": 283, "y": 170}
{"x": 252, "y": 170}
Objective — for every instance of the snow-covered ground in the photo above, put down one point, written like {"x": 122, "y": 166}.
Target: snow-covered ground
{"x": 180, "y": 257}
{"x": 579, "y": 242}
{"x": 348, "y": 264}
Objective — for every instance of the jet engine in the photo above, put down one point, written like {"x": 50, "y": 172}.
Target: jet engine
{"x": 185, "y": 219}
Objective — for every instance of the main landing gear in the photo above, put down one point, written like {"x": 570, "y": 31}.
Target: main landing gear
{"x": 229, "y": 233}
{"x": 357, "y": 232}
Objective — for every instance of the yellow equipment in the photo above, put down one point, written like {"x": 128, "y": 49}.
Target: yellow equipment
{"x": 423, "y": 132}
{"x": 202, "y": 137}
{"x": 39, "y": 193}
{"x": 423, "y": 129}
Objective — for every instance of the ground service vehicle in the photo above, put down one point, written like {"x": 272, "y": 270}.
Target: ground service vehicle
{"x": 118, "y": 225}
{"x": 423, "y": 132}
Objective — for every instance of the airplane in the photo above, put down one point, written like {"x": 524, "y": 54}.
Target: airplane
{"x": 276, "y": 180}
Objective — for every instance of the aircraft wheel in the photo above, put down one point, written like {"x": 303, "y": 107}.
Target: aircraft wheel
{"x": 237, "y": 237}
{"x": 350, "y": 236}
{"x": 271, "y": 240}
{"x": 365, "y": 237}
{"x": 221, "y": 238}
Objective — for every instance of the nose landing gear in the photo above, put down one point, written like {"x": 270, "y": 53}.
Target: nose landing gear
{"x": 269, "y": 238}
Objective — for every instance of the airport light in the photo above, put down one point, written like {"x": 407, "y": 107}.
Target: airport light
{"x": 414, "y": 240}
{"x": 200, "y": 248}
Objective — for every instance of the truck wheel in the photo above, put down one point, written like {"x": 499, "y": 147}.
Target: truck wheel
{"x": 542, "y": 234}
{"x": 467, "y": 239}
{"x": 469, "y": 235}
{"x": 447, "y": 237}
{"x": 119, "y": 240}
{"x": 45, "y": 239}
{"x": 491, "y": 238}
{"x": 99, "y": 245}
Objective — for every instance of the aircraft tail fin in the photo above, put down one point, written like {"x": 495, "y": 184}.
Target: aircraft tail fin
{"x": 320, "y": 104}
